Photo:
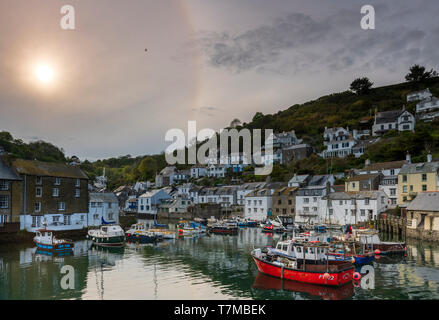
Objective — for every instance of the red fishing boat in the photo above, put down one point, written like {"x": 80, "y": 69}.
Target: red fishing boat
{"x": 308, "y": 265}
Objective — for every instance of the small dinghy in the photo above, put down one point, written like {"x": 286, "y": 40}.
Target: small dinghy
{"x": 46, "y": 241}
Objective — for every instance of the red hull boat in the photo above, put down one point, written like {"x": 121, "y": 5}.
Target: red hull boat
{"x": 336, "y": 273}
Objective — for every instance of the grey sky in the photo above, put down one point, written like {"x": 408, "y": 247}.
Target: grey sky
{"x": 207, "y": 60}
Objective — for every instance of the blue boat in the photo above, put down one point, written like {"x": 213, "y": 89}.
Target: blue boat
{"x": 45, "y": 240}
{"x": 356, "y": 259}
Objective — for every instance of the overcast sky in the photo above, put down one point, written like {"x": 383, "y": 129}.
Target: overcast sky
{"x": 206, "y": 60}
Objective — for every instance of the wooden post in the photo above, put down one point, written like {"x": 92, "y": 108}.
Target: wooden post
{"x": 304, "y": 257}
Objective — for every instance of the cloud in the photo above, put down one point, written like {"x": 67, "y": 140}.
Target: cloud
{"x": 296, "y": 43}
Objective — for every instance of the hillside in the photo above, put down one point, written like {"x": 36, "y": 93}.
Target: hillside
{"x": 308, "y": 120}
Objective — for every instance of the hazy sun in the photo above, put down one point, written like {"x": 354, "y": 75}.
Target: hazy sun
{"x": 44, "y": 73}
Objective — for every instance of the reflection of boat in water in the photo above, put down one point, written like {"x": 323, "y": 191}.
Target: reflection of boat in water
{"x": 110, "y": 250}
{"x": 54, "y": 253}
{"x": 264, "y": 282}
{"x": 140, "y": 233}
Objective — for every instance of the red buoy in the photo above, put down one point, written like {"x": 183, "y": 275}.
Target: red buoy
{"x": 378, "y": 251}
{"x": 357, "y": 276}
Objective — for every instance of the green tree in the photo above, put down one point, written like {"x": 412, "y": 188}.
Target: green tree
{"x": 418, "y": 74}
{"x": 361, "y": 85}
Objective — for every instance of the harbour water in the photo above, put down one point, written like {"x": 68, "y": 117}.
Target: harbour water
{"x": 206, "y": 267}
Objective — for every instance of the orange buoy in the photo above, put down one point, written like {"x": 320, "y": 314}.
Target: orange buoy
{"x": 353, "y": 260}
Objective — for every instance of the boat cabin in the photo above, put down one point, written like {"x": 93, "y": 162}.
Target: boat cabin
{"x": 300, "y": 250}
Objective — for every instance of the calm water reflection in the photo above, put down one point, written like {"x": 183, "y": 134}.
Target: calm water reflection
{"x": 208, "y": 267}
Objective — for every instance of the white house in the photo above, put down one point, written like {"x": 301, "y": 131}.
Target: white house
{"x": 399, "y": 120}
{"x": 419, "y": 95}
{"x": 217, "y": 170}
{"x": 354, "y": 207}
{"x": 310, "y": 198}
{"x": 226, "y": 196}
{"x": 185, "y": 188}
{"x": 198, "y": 171}
{"x": 245, "y": 189}
{"x": 150, "y": 200}
{"x": 338, "y": 141}
{"x": 258, "y": 204}
{"x": 103, "y": 208}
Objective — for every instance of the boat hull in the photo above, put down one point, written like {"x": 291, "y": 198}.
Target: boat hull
{"x": 108, "y": 241}
{"x": 225, "y": 230}
{"x": 61, "y": 247}
{"x": 337, "y": 278}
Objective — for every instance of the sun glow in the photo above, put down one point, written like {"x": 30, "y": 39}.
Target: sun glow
{"x": 44, "y": 74}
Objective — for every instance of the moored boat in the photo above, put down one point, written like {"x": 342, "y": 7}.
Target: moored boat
{"x": 223, "y": 229}
{"x": 140, "y": 233}
{"x": 305, "y": 263}
{"x": 46, "y": 241}
{"x": 107, "y": 236}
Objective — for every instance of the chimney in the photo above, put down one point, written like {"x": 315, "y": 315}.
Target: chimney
{"x": 408, "y": 158}
{"x": 429, "y": 157}
{"x": 367, "y": 162}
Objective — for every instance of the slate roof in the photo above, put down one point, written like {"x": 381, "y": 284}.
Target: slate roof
{"x": 385, "y": 165}
{"x": 102, "y": 197}
{"x": 363, "y": 177}
{"x": 388, "y": 116}
{"x": 422, "y": 167}
{"x": 48, "y": 169}
{"x": 360, "y": 195}
{"x": 425, "y": 201}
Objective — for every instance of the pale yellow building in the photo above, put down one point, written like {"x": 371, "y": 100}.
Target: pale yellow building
{"x": 423, "y": 212}
{"x": 415, "y": 178}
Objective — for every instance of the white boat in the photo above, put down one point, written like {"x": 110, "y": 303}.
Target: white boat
{"x": 107, "y": 236}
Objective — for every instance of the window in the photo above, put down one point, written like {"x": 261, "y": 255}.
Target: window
{"x": 411, "y": 188}
{"x": 39, "y": 180}
{"x": 61, "y": 206}
{"x": 110, "y": 215}
{"x": 305, "y": 209}
{"x": 57, "y": 181}
{"x": 55, "y": 192}
{"x": 346, "y": 212}
{"x": 4, "y": 185}
{"x": 424, "y": 177}
{"x": 67, "y": 219}
{"x": 96, "y": 216}
{"x": 393, "y": 201}
{"x": 362, "y": 212}
{"x": 82, "y": 217}
{"x": 314, "y": 209}
{"x": 404, "y": 189}
{"x": 4, "y": 202}
{"x": 78, "y": 183}
{"x": 424, "y": 187}
{"x": 331, "y": 212}
{"x": 110, "y": 204}
{"x": 404, "y": 199}
{"x": 315, "y": 199}
{"x": 366, "y": 201}
{"x": 279, "y": 201}
{"x": 341, "y": 202}
{"x": 392, "y": 172}
{"x": 353, "y": 212}
{"x": 393, "y": 192}
{"x": 260, "y": 202}
{"x": 292, "y": 210}
{"x": 352, "y": 201}
{"x": 37, "y": 206}
{"x": 306, "y": 200}
{"x": 55, "y": 218}
{"x": 249, "y": 202}
{"x": 382, "y": 200}
{"x": 77, "y": 193}
{"x": 404, "y": 178}
{"x": 290, "y": 202}
{"x": 39, "y": 192}
{"x": 353, "y": 184}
